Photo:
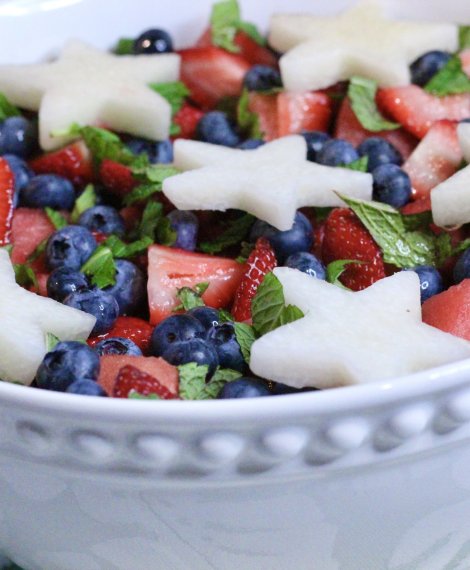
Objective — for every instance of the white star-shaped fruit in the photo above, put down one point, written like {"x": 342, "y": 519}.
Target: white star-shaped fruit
{"x": 270, "y": 182}
{"x": 352, "y": 338}
{"x": 89, "y": 87}
{"x": 25, "y": 318}
{"x": 324, "y": 50}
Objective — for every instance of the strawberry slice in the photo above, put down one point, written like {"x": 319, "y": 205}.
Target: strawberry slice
{"x": 30, "y": 227}
{"x": 465, "y": 58}
{"x": 437, "y": 157}
{"x": 133, "y": 328}
{"x": 347, "y": 238}
{"x": 261, "y": 261}
{"x": 350, "y": 129}
{"x": 187, "y": 119}
{"x": 211, "y": 73}
{"x": 170, "y": 269}
{"x": 417, "y": 207}
{"x": 131, "y": 380}
{"x": 116, "y": 178}
{"x": 265, "y": 106}
{"x": 305, "y": 111}
{"x": 417, "y": 110}
{"x": 73, "y": 162}
{"x": 7, "y": 192}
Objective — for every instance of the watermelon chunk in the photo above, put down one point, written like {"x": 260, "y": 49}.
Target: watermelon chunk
{"x": 450, "y": 310}
{"x": 29, "y": 228}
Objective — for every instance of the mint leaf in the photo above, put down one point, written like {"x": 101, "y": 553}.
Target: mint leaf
{"x": 248, "y": 121}
{"x": 25, "y": 275}
{"x": 100, "y": 267}
{"x": 125, "y": 46}
{"x": 166, "y": 235}
{"x": 191, "y": 297}
{"x": 192, "y": 380}
{"x": 252, "y": 31}
{"x": 151, "y": 178}
{"x": 450, "y": 80}
{"x": 400, "y": 247}
{"x": 124, "y": 250}
{"x": 56, "y": 218}
{"x": 218, "y": 381}
{"x": 141, "y": 193}
{"x": 174, "y": 92}
{"x": 464, "y": 37}
{"x": 51, "y": 341}
{"x": 245, "y": 336}
{"x": 361, "y": 93}
{"x": 133, "y": 395}
{"x": 335, "y": 269}
{"x": 268, "y": 308}
{"x": 85, "y": 201}
{"x": 151, "y": 216}
{"x": 40, "y": 249}
{"x": 7, "y": 109}
{"x": 360, "y": 165}
{"x": 225, "y": 316}
{"x": 234, "y": 234}
{"x": 224, "y": 21}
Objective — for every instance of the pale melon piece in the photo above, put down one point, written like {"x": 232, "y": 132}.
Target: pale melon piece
{"x": 270, "y": 182}
{"x": 463, "y": 132}
{"x": 450, "y": 200}
{"x": 352, "y": 338}
{"x": 25, "y": 318}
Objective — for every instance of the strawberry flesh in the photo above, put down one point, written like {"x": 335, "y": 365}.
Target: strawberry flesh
{"x": 7, "y": 191}
{"x": 132, "y": 380}
{"x": 72, "y": 162}
{"x": 132, "y": 328}
{"x": 116, "y": 178}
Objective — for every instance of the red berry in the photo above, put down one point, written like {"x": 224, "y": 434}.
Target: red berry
{"x": 187, "y": 119}
{"x": 137, "y": 330}
{"x": 132, "y": 380}
{"x": 72, "y": 162}
{"x": 7, "y": 190}
{"x": 116, "y": 178}
{"x": 347, "y": 238}
{"x": 262, "y": 260}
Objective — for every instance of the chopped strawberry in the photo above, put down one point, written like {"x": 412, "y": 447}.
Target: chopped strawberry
{"x": 350, "y": 129}
{"x": 42, "y": 283}
{"x": 417, "y": 110}
{"x": 7, "y": 192}
{"x": 116, "y": 178}
{"x": 187, "y": 119}
{"x": 265, "y": 106}
{"x": 212, "y": 73}
{"x": 465, "y": 58}
{"x": 436, "y": 157}
{"x": 347, "y": 238}
{"x": 30, "y": 227}
{"x": 137, "y": 330}
{"x": 450, "y": 310}
{"x": 171, "y": 269}
{"x": 304, "y": 111}
{"x": 261, "y": 261}
{"x": 73, "y": 162}
{"x": 417, "y": 207}
{"x": 131, "y": 380}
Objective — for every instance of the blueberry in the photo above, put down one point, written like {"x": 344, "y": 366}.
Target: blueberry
{"x": 251, "y": 144}
{"x": 98, "y": 303}
{"x": 298, "y": 238}
{"x": 103, "y": 219}
{"x": 69, "y": 247}
{"x": 186, "y": 225}
{"x": 392, "y": 185}
{"x": 379, "y": 151}
{"x": 315, "y": 140}
{"x": 21, "y": 173}
{"x": 48, "y": 190}
{"x": 224, "y": 340}
{"x": 214, "y": 127}
{"x": 307, "y": 263}
{"x": 337, "y": 152}
{"x": 207, "y": 316}
{"x": 280, "y": 389}
{"x": 426, "y": 66}
{"x": 63, "y": 281}
{"x": 86, "y": 387}
{"x": 18, "y": 136}
{"x": 262, "y": 78}
{"x": 117, "y": 345}
{"x": 244, "y": 388}
{"x": 153, "y": 41}
{"x": 196, "y": 350}
{"x": 129, "y": 289}
{"x": 430, "y": 281}
{"x": 68, "y": 362}
{"x": 157, "y": 151}
{"x": 176, "y": 328}
{"x": 462, "y": 267}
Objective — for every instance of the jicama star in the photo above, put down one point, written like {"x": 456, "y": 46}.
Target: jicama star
{"x": 25, "y": 318}
{"x": 88, "y": 86}
{"x": 352, "y": 338}
{"x": 270, "y": 182}
{"x": 322, "y": 51}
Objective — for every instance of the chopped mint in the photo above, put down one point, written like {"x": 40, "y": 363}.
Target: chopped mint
{"x": 444, "y": 248}
{"x": 151, "y": 179}
{"x": 166, "y": 235}
{"x": 464, "y": 37}
{"x": 226, "y": 22}
{"x": 25, "y": 275}
{"x": 56, "y": 218}
{"x": 141, "y": 193}
{"x": 322, "y": 213}
{"x": 360, "y": 165}
{"x": 7, "y": 109}
{"x": 151, "y": 217}
{"x": 236, "y": 231}
{"x": 335, "y": 269}
{"x": 450, "y": 80}
{"x": 192, "y": 381}
{"x": 191, "y": 297}
{"x": 85, "y": 201}
{"x": 245, "y": 336}
{"x": 175, "y": 93}
{"x": 133, "y": 395}
{"x": 218, "y": 381}
{"x": 225, "y": 316}
{"x": 268, "y": 308}
{"x": 40, "y": 249}
{"x": 361, "y": 93}
{"x": 125, "y": 46}
{"x": 51, "y": 341}
{"x": 247, "y": 120}
{"x": 100, "y": 267}
{"x": 124, "y": 250}
{"x": 252, "y": 31}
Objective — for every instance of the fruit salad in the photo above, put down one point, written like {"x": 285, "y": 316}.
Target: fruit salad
{"x": 248, "y": 216}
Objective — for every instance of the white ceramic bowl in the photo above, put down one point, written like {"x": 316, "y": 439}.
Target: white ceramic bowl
{"x": 365, "y": 478}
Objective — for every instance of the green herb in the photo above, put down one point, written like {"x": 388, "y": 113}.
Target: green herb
{"x": 56, "y": 218}
{"x": 51, "y": 341}
{"x": 400, "y": 246}
{"x": 7, "y": 109}
{"x": 247, "y": 120}
{"x": 226, "y": 21}
{"x": 191, "y": 297}
{"x": 268, "y": 308}
{"x": 192, "y": 381}
{"x": 360, "y": 165}
{"x": 450, "y": 80}
{"x": 40, "y": 249}
{"x": 225, "y": 316}
{"x": 361, "y": 93}
{"x": 125, "y": 46}
{"x": 322, "y": 213}
{"x": 444, "y": 248}
{"x": 335, "y": 269}
{"x": 252, "y": 31}
{"x": 464, "y": 37}
{"x": 133, "y": 395}
{"x": 175, "y": 93}
{"x": 151, "y": 216}
{"x": 151, "y": 178}
{"x": 124, "y": 250}
{"x": 218, "y": 381}
{"x": 85, "y": 201}
{"x": 245, "y": 336}
{"x": 100, "y": 267}
{"x": 25, "y": 275}
{"x": 236, "y": 232}
{"x": 166, "y": 235}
